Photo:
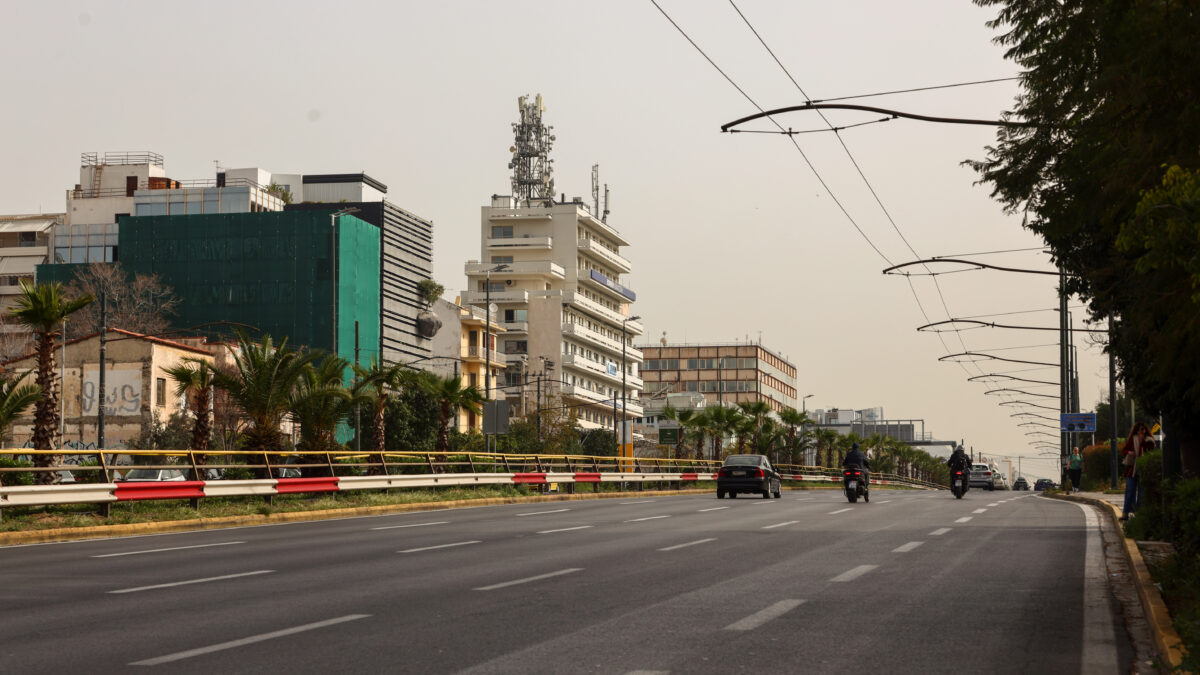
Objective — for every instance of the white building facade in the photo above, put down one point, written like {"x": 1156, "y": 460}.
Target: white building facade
{"x": 556, "y": 288}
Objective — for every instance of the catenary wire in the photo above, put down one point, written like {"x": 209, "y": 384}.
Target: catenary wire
{"x": 909, "y": 91}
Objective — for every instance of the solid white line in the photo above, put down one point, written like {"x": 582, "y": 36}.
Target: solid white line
{"x": 907, "y": 547}
{"x": 529, "y": 579}
{"x": 638, "y": 520}
{"x": 178, "y": 656}
{"x": 979, "y": 511}
{"x": 764, "y": 502}
{"x": 538, "y": 513}
{"x": 644, "y": 501}
{"x": 715, "y": 508}
{"x": 690, "y": 543}
{"x": 832, "y": 513}
{"x": 1099, "y": 650}
{"x": 160, "y": 550}
{"x": 760, "y": 617}
{"x": 790, "y": 522}
{"x": 396, "y": 527}
{"x": 431, "y": 548}
{"x": 939, "y": 532}
{"x": 191, "y": 581}
{"x": 851, "y": 575}
{"x": 565, "y": 529}
{"x": 963, "y": 519}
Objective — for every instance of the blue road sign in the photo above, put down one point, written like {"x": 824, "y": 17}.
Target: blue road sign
{"x": 1078, "y": 421}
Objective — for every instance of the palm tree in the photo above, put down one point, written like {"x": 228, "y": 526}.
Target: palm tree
{"x": 826, "y": 438}
{"x": 793, "y": 420}
{"x": 695, "y": 427}
{"x": 721, "y": 422}
{"x": 451, "y": 395}
{"x": 319, "y": 402}
{"x": 683, "y": 417}
{"x": 261, "y": 385}
{"x": 376, "y": 383}
{"x": 194, "y": 379}
{"x": 15, "y": 399}
{"x": 42, "y": 309}
{"x": 758, "y": 412}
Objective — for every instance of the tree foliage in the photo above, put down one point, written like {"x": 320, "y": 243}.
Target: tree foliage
{"x": 1103, "y": 172}
{"x": 143, "y": 304}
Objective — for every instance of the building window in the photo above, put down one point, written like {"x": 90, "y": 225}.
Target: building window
{"x": 516, "y": 346}
{"x": 502, "y": 258}
{"x": 502, "y": 232}
{"x": 160, "y": 396}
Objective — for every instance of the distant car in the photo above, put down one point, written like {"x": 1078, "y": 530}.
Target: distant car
{"x": 1043, "y": 484}
{"x": 152, "y": 475}
{"x": 1020, "y": 483}
{"x": 748, "y": 474}
{"x": 982, "y": 476}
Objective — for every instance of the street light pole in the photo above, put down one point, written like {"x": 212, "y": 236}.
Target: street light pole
{"x": 487, "y": 349}
{"x": 804, "y": 412}
{"x": 624, "y": 339}
{"x": 333, "y": 275}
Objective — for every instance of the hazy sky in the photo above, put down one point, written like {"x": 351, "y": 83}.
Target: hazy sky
{"x": 734, "y": 236}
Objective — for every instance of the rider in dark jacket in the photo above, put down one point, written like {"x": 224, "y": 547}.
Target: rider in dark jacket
{"x": 959, "y": 461}
{"x": 857, "y": 458}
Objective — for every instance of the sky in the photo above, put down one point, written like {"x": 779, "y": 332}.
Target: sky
{"x": 735, "y": 237}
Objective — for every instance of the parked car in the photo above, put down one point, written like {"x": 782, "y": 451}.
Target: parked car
{"x": 151, "y": 475}
{"x": 982, "y": 476}
{"x": 748, "y": 473}
{"x": 1020, "y": 483}
{"x": 1043, "y": 484}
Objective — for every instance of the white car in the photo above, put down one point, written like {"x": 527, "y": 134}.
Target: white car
{"x": 152, "y": 475}
{"x": 983, "y": 476}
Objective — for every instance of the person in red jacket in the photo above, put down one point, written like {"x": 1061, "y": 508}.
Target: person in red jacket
{"x": 1139, "y": 443}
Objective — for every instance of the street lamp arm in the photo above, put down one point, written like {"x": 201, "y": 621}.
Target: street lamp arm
{"x": 989, "y": 324}
{"x": 728, "y": 127}
{"x": 977, "y": 265}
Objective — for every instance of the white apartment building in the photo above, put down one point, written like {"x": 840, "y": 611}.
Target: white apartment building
{"x": 556, "y": 288}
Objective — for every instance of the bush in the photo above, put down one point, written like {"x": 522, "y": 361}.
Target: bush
{"x": 1097, "y": 467}
{"x": 15, "y": 477}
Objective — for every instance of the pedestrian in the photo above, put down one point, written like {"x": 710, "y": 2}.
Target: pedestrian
{"x": 1139, "y": 443}
{"x": 1075, "y": 469}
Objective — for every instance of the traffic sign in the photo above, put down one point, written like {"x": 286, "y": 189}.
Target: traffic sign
{"x": 1078, "y": 421}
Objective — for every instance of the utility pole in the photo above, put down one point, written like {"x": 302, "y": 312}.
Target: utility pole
{"x": 357, "y": 407}
{"x": 102, "y": 396}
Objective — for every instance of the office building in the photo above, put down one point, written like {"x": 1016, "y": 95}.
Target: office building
{"x": 725, "y": 374}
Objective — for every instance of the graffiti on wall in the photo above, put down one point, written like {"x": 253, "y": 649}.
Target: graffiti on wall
{"x": 123, "y": 392}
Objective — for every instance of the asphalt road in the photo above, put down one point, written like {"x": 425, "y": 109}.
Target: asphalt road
{"x": 913, "y": 582}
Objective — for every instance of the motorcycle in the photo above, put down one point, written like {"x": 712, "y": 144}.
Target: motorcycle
{"x": 854, "y": 484}
{"x": 959, "y": 483}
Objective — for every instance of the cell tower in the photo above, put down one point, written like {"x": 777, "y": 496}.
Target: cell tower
{"x": 533, "y": 173}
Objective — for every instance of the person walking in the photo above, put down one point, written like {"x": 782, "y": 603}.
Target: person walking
{"x": 1075, "y": 469}
{"x": 1139, "y": 443}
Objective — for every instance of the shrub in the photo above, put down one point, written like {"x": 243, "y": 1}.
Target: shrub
{"x": 15, "y": 477}
{"x": 1097, "y": 467}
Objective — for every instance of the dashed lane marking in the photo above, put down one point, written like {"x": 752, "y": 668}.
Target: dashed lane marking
{"x": 715, "y": 508}
{"x": 939, "y": 532}
{"x": 540, "y": 513}
{"x": 396, "y": 527}
{"x": 851, "y": 575}
{"x": 565, "y": 529}
{"x": 690, "y": 543}
{"x": 979, "y": 511}
{"x": 162, "y": 550}
{"x": 179, "y": 656}
{"x": 834, "y": 513}
{"x": 907, "y": 547}
{"x": 762, "y": 616}
{"x": 963, "y": 519}
{"x": 190, "y": 581}
{"x": 548, "y": 575}
{"x": 638, "y": 520}
{"x": 434, "y": 548}
{"x": 790, "y": 522}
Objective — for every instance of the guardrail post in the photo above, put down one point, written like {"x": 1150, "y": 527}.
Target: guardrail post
{"x": 106, "y": 509}
{"x": 103, "y": 466}
{"x": 429, "y": 461}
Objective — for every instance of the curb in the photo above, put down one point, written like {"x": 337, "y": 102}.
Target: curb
{"x": 1166, "y": 639}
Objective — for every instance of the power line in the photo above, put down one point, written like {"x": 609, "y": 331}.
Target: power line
{"x": 909, "y": 91}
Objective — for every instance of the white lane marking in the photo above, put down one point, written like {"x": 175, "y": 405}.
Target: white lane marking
{"x": 907, "y": 547}
{"x": 833, "y": 513}
{"x": 644, "y": 501}
{"x": 638, "y": 520}
{"x": 396, "y": 527}
{"x": 963, "y": 519}
{"x": 191, "y": 581}
{"x": 979, "y": 511}
{"x": 763, "y": 502}
{"x": 939, "y": 532}
{"x": 790, "y": 522}
{"x": 805, "y": 499}
{"x": 1099, "y": 651}
{"x": 886, "y": 501}
{"x": 506, "y": 584}
{"x": 179, "y": 656}
{"x": 565, "y": 529}
{"x": 539, "y": 513}
{"x": 851, "y": 575}
{"x": 715, "y": 508}
{"x": 690, "y": 543}
{"x": 432, "y": 548}
{"x": 762, "y": 616}
{"x": 161, "y": 550}
{"x": 995, "y": 504}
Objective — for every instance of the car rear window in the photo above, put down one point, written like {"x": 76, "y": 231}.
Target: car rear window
{"x": 743, "y": 460}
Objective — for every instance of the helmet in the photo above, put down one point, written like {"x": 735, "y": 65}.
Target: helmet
{"x": 854, "y": 446}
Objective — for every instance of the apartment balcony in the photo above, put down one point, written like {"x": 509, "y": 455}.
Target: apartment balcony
{"x": 511, "y": 327}
{"x": 598, "y": 310}
{"x": 613, "y": 347}
{"x": 612, "y": 377}
{"x": 594, "y": 248}
{"x": 609, "y": 288}
{"x": 525, "y": 242}
{"x": 592, "y": 221}
{"x": 633, "y": 408}
{"x": 531, "y": 268}
{"x": 478, "y": 354}
{"x": 480, "y": 298}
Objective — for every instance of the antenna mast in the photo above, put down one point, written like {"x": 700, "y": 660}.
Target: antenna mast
{"x": 595, "y": 189}
{"x": 532, "y": 178}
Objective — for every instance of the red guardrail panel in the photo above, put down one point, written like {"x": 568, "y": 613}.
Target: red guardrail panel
{"x": 166, "y": 489}
{"x": 287, "y": 486}
{"x": 587, "y": 477}
{"x": 689, "y": 477}
{"x": 519, "y": 478}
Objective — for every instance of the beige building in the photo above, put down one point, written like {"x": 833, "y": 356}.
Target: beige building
{"x": 725, "y": 374}
{"x": 137, "y": 388}
{"x": 555, "y": 284}
{"x": 458, "y": 349}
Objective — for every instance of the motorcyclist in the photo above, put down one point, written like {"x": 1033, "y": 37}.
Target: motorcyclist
{"x": 959, "y": 461}
{"x": 858, "y": 459}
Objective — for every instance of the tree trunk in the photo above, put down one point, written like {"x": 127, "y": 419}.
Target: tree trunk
{"x": 45, "y": 416}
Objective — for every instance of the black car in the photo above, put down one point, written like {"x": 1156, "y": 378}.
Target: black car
{"x": 1043, "y": 484}
{"x": 748, "y": 473}
{"x": 1020, "y": 483}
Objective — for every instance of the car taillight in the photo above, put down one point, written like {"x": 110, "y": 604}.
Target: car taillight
{"x": 757, "y": 473}
{"x": 957, "y": 473}
{"x": 987, "y": 473}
